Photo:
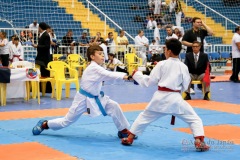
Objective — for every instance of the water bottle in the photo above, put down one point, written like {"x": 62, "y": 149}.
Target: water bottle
{"x": 33, "y": 63}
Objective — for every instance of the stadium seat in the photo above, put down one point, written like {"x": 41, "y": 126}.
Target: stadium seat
{"x": 225, "y": 55}
{"x": 58, "y": 68}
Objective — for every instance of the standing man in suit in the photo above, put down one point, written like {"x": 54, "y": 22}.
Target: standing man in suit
{"x": 43, "y": 52}
{"x": 197, "y": 63}
{"x": 43, "y": 49}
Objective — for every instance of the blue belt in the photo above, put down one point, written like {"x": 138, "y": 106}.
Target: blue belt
{"x": 96, "y": 99}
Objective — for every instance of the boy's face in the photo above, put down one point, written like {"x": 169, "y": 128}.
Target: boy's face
{"x": 16, "y": 42}
{"x": 167, "y": 53}
{"x": 98, "y": 57}
{"x": 110, "y": 57}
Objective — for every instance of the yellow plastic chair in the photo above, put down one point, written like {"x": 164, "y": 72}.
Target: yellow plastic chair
{"x": 56, "y": 56}
{"x": 44, "y": 81}
{"x": 3, "y": 88}
{"x": 132, "y": 61}
{"x": 203, "y": 91}
{"x": 58, "y": 68}
{"x": 77, "y": 61}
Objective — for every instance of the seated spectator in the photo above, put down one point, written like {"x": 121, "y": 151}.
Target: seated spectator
{"x": 68, "y": 42}
{"x": 98, "y": 39}
{"x": 154, "y": 48}
{"x": 115, "y": 65}
{"x": 198, "y": 63}
{"x": 23, "y": 37}
{"x": 83, "y": 39}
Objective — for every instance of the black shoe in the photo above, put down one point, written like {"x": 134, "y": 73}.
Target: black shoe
{"x": 206, "y": 96}
{"x": 234, "y": 80}
{"x": 188, "y": 97}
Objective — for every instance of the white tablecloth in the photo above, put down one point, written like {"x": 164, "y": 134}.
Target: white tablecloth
{"x": 17, "y": 87}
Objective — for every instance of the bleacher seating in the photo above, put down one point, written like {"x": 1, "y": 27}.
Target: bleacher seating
{"x": 122, "y": 14}
{"x": 23, "y": 12}
{"x": 228, "y": 11}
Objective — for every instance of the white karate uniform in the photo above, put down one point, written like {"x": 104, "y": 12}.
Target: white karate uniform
{"x": 116, "y": 62}
{"x": 172, "y": 36}
{"x": 141, "y": 49}
{"x": 157, "y": 9}
{"x": 91, "y": 82}
{"x": 172, "y": 74}
{"x": 151, "y": 24}
{"x": 157, "y": 34}
{"x": 104, "y": 47}
{"x": 16, "y": 53}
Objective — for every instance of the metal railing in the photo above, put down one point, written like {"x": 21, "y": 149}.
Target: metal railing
{"x": 105, "y": 18}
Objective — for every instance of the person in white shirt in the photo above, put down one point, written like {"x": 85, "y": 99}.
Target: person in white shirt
{"x": 4, "y": 49}
{"x": 151, "y": 23}
{"x": 170, "y": 33}
{"x": 90, "y": 98}
{"x": 111, "y": 43}
{"x": 171, "y": 76}
{"x": 115, "y": 64}
{"x": 16, "y": 52}
{"x": 236, "y": 55}
{"x": 157, "y": 34}
{"x": 34, "y": 28}
{"x": 175, "y": 5}
{"x": 142, "y": 44}
{"x": 154, "y": 48}
{"x": 157, "y": 8}
{"x": 104, "y": 47}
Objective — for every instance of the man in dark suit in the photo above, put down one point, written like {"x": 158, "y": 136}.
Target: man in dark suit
{"x": 197, "y": 63}
{"x": 43, "y": 52}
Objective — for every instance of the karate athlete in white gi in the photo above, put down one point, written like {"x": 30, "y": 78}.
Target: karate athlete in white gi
{"x": 16, "y": 51}
{"x": 89, "y": 99}
{"x": 172, "y": 77}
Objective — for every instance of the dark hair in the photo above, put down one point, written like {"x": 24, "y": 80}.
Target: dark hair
{"x": 174, "y": 45}
{"x": 16, "y": 39}
{"x": 121, "y": 31}
{"x": 139, "y": 31}
{"x": 111, "y": 54}
{"x": 43, "y": 25}
{"x": 91, "y": 51}
{"x": 109, "y": 33}
{"x": 237, "y": 28}
{"x": 4, "y": 33}
{"x": 194, "y": 19}
{"x": 199, "y": 43}
{"x": 169, "y": 27}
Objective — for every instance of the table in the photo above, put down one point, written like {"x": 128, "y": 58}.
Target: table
{"x": 27, "y": 75}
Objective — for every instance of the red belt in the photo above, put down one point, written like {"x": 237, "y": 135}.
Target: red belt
{"x": 167, "y": 89}
{"x": 16, "y": 56}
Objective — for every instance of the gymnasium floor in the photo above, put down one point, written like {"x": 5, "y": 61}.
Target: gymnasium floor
{"x": 96, "y": 138}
